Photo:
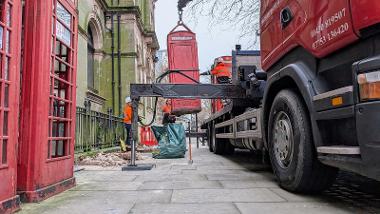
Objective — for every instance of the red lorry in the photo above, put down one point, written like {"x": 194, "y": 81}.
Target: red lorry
{"x": 315, "y": 106}
{"x": 320, "y": 106}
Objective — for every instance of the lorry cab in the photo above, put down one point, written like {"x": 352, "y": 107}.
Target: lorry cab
{"x": 321, "y": 27}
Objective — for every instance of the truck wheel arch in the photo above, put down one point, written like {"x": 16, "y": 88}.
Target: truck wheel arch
{"x": 298, "y": 77}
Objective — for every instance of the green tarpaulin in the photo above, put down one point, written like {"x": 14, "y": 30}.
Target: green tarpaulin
{"x": 171, "y": 141}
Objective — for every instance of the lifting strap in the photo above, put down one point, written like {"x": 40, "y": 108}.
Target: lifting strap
{"x": 181, "y": 24}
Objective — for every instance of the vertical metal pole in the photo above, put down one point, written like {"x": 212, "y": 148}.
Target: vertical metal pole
{"x": 196, "y": 129}
{"x": 109, "y": 121}
{"x": 189, "y": 131}
{"x": 113, "y": 60}
{"x": 190, "y": 149}
{"x": 119, "y": 60}
{"x": 135, "y": 120}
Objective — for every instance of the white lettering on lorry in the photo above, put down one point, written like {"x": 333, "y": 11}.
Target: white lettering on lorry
{"x": 323, "y": 33}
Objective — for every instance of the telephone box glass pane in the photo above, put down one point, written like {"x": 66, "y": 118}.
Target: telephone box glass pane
{"x": 5, "y": 124}
{"x": 4, "y": 154}
{"x": 9, "y": 15}
{"x": 63, "y": 15}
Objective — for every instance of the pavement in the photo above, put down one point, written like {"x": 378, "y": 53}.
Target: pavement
{"x": 212, "y": 184}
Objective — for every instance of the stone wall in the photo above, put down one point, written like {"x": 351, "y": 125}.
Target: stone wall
{"x": 138, "y": 46}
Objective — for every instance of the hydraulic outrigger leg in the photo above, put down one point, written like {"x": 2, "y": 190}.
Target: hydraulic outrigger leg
{"x": 133, "y": 166}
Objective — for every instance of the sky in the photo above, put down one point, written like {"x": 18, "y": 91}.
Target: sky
{"x": 213, "y": 41}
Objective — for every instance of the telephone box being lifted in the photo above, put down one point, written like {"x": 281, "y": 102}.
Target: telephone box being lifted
{"x": 183, "y": 56}
{"x": 10, "y": 40}
{"x": 47, "y": 115}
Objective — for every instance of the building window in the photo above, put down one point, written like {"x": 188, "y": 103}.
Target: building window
{"x": 90, "y": 60}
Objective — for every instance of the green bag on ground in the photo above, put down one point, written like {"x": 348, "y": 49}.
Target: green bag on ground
{"x": 171, "y": 141}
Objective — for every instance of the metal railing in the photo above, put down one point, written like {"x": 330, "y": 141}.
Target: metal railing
{"x": 95, "y": 130}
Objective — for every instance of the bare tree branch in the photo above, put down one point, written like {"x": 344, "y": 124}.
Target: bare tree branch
{"x": 241, "y": 15}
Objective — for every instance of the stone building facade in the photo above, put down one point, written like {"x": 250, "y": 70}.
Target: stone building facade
{"x": 117, "y": 46}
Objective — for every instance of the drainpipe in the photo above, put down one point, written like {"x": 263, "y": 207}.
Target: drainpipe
{"x": 113, "y": 61}
{"x": 119, "y": 59}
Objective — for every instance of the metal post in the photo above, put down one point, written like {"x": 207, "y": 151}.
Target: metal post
{"x": 189, "y": 131}
{"x": 135, "y": 109}
{"x": 113, "y": 60}
{"x": 196, "y": 129}
{"x": 119, "y": 61}
{"x": 190, "y": 149}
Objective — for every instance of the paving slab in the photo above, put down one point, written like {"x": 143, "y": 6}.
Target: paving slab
{"x": 155, "y": 178}
{"x": 294, "y": 208}
{"x": 207, "y": 167}
{"x": 225, "y": 195}
{"x": 180, "y": 185}
{"x": 220, "y": 208}
{"x": 104, "y": 176}
{"x": 108, "y": 186}
{"x": 235, "y": 177}
{"x": 183, "y": 166}
{"x": 80, "y": 202}
{"x": 294, "y": 197}
{"x": 249, "y": 184}
{"x": 208, "y": 163}
{"x": 214, "y": 171}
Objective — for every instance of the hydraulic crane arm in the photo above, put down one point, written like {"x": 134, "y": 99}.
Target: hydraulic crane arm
{"x": 182, "y": 4}
{"x": 196, "y": 91}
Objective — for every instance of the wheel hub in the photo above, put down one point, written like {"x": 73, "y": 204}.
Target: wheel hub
{"x": 283, "y": 139}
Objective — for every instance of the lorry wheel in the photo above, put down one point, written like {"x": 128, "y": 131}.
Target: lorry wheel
{"x": 229, "y": 149}
{"x": 218, "y": 145}
{"x": 291, "y": 147}
{"x": 210, "y": 138}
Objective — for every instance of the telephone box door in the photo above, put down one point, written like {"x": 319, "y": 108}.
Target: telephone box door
{"x": 10, "y": 39}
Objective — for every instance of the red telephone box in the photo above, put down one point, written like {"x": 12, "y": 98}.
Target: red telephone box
{"x": 10, "y": 39}
{"x": 147, "y": 137}
{"x": 46, "y": 150}
{"x": 183, "y": 56}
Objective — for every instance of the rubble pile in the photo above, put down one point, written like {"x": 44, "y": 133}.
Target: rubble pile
{"x": 108, "y": 159}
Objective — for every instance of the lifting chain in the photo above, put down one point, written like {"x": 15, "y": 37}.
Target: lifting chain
{"x": 181, "y": 4}
{"x": 180, "y": 14}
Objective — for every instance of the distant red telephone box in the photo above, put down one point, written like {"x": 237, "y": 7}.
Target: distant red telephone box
{"x": 47, "y": 116}
{"x": 147, "y": 137}
{"x": 10, "y": 40}
{"x": 183, "y": 56}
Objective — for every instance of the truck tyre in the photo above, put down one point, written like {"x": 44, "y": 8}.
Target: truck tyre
{"x": 229, "y": 148}
{"x": 291, "y": 149}
{"x": 218, "y": 145}
{"x": 210, "y": 138}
